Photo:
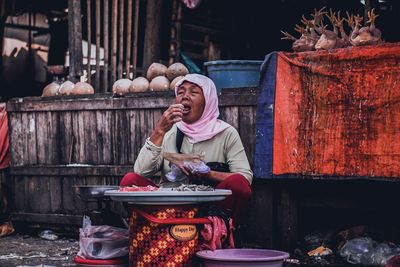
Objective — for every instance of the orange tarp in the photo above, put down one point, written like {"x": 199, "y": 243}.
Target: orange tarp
{"x": 337, "y": 112}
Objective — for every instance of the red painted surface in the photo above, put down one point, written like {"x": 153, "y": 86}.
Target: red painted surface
{"x": 338, "y": 112}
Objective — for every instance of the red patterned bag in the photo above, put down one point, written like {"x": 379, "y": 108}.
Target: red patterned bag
{"x": 163, "y": 236}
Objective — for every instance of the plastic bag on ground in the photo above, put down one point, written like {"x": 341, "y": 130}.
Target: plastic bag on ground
{"x": 358, "y": 250}
{"x": 103, "y": 242}
{"x": 48, "y": 235}
{"x": 368, "y": 252}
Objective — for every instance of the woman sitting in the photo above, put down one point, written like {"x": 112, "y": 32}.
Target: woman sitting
{"x": 195, "y": 114}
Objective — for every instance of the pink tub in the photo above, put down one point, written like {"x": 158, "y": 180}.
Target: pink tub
{"x": 242, "y": 257}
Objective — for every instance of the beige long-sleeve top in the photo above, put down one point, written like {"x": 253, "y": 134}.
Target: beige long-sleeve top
{"x": 225, "y": 147}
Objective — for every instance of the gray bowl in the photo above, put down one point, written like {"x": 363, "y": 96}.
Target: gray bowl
{"x": 93, "y": 191}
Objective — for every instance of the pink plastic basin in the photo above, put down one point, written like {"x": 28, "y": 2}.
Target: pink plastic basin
{"x": 242, "y": 257}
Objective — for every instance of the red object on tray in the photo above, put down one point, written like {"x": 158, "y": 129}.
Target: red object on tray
{"x": 337, "y": 112}
{"x": 91, "y": 262}
{"x": 134, "y": 188}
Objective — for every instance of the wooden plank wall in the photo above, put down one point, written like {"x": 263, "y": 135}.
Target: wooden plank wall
{"x": 102, "y": 132}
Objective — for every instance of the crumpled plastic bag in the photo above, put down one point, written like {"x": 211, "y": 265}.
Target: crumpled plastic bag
{"x": 193, "y": 162}
{"x": 103, "y": 242}
{"x": 366, "y": 251}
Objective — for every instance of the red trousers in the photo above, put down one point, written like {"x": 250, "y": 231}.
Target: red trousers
{"x": 238, "y": 202}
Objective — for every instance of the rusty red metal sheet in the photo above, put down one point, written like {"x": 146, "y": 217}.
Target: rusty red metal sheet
{"x": 337, "y": 112}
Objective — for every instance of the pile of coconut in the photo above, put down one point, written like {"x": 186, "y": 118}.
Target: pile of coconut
{"x": 68, "y": 88}
{"x": 159, "y": 78}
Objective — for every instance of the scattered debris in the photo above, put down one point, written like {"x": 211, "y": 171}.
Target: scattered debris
{"x": 32, "y": 251}
{"x": 320, "y": 251}
{"x": 48, "y": 235}
{"x": 6, "y": 229}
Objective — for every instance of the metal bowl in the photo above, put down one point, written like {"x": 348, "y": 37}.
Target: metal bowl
{"x": 93, "y": 191}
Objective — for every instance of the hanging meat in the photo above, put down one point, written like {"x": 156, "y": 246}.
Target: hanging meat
{"x": 368, "y": 35}
{"x": 315, "y": 35}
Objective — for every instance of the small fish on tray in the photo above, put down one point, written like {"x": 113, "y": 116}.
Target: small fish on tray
{"x": 193, "y": 187}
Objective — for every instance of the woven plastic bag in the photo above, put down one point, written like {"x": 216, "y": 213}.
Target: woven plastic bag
{"x": 103, "y": 242}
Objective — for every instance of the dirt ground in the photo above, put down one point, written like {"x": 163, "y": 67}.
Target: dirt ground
{"x": 30, "y": 250}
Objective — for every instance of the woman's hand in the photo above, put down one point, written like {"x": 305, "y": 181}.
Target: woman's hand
{"x": 171, "y": 116}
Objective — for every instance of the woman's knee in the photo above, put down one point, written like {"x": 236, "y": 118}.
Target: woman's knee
{"x": 132, "y": 178}
{"x": 238, "y": 184}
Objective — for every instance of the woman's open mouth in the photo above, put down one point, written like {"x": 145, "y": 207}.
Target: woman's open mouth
{"x": 186, "y": 109}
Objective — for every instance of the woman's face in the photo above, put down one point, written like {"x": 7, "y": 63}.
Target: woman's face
{"x": 191, "y": 97}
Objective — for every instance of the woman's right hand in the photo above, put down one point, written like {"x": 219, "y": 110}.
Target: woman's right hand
{"x": 171, "y": 116}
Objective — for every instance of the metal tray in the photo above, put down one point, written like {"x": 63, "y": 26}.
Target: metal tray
{"x": 168, "y": 197}
{"x": 93, "y": 191}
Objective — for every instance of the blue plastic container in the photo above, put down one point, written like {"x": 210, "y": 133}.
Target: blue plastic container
{"x": 234, "y": 73}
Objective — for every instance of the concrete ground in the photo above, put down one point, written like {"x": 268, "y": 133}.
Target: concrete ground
{"x": 31, "y": 250}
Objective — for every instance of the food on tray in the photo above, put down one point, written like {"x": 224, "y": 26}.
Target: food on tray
{"x": 134, "y": 188}
{"x": 193, "y": 187}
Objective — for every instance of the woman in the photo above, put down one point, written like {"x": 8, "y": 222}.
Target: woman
{"x": 195, "y": 114}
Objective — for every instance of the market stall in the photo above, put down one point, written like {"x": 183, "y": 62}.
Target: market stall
{"x": 59, "y": 142}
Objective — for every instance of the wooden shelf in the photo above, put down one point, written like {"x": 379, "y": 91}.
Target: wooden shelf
{"x": 72, "y": 170}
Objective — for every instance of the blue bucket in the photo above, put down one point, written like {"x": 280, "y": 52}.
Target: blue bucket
{"x": 234, "y": 73}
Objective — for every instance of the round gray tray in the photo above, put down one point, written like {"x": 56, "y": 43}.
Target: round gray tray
{"x": 168, "y": 197}
{"x": 93, "y": 191}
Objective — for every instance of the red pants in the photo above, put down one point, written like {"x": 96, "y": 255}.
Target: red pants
{"x": 238, "y": 202}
